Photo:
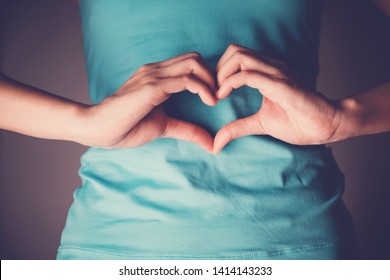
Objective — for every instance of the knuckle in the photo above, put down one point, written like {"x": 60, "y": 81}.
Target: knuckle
{"x": 240, "y": 54}
{"x": 195, "y": 63}
{"x": 234, "y": 47}
{"x": 195, "y": 54}
{"x": 150, "y": 84}
{"x": 150, "y": 76}
{"x": 146, "y": 67}
{"x": 241, "y": 57}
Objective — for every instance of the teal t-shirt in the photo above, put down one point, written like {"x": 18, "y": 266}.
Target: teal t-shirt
{"x": 260, "y": 198}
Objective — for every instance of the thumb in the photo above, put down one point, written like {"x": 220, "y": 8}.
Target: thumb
{"x": 236, "y": 129}
{"x": 189, "y": 132}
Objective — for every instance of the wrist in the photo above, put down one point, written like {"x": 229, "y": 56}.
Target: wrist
{"x": 91, "y": 134}
{"x": 80, "y": 126}
{"x": 98, "y": 121}
{"x": 350, "y": 119}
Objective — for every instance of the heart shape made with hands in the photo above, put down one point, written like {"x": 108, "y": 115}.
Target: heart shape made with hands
{"x": 212, "y": 123}
{"x": 240, "y": 66}
{"x": 137, "y": 111}
{"x": 288, "y": 112}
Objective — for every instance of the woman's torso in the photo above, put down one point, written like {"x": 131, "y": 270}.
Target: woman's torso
{"x": 259, "y": 198}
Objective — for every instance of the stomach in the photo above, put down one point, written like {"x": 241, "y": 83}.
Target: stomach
{"x": 259, "y": 197}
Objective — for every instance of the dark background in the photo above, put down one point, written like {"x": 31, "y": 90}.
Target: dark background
{"x": 41, "y": 44}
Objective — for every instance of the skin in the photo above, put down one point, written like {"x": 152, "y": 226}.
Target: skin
{"x": 290, "y": 112}
{"x": 132, "y": 116}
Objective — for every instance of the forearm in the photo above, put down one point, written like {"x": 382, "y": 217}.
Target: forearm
{"x": 36, "y": 113}
{"x": 365, "y": 113}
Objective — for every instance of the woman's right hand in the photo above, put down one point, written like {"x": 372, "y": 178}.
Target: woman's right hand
{"x": 133, "y": 115}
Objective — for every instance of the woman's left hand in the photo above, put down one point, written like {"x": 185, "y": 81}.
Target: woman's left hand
{"x": 289, "y": 112}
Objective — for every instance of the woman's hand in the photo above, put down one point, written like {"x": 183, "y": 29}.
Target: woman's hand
{"x": 289, "y": 111}
{"x": 133, "y": 115}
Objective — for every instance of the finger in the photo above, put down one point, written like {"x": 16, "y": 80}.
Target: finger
{"x": 188, "y": 132}
{"x": 167, "y": 62}
{"x": 239, "y": 128}
{"x": 231, "y": 49}
{"x": 274, "y": 89}
{"x": 195, "y": 65}
{"x": 186, "y": 82}
{"x": 241, "y": 61}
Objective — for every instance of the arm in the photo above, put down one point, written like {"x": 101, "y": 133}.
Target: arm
{"x": 131, "y": 117}
{"x": 33, "y": 112}
{"x": 292, "y": 113}
{"x": 364, "y": 113}
{"x": 367, "y": 112}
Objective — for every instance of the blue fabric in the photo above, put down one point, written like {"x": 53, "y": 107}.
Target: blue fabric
{"x": 259, "y": 198}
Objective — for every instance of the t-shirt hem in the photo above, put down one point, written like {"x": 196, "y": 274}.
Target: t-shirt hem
{"x": 316, "y": 251}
